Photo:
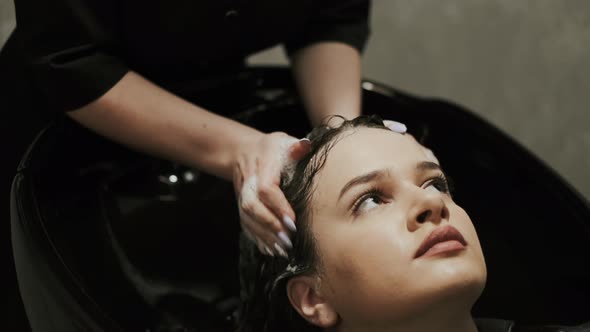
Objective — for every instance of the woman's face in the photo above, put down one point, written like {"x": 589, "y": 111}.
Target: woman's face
{"x": 368, "y": 233}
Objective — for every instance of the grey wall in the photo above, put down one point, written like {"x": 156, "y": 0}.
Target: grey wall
{"x": 6, "y": 19}
{"x": 522, "y": 64}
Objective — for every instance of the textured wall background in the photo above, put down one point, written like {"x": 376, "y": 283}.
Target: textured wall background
{"x": 522, "y": 64}
{"x": 6, "y": 19}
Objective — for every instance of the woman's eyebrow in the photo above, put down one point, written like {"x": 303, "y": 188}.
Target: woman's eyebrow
{"x": 423, "y": 166}
{"x": 365, "y": 178}
{"x": 381, "y": 173}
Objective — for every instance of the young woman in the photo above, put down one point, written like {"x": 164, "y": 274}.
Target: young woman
{"x": 380, "y": 244}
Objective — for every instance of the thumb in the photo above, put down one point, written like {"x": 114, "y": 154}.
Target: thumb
{"x": 299, "y": 149}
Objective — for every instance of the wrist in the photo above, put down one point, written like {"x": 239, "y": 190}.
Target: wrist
{"x": 242, "y": 142}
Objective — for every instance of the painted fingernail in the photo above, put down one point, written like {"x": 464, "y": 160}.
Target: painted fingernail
{"x": 398, "y": 127}
{"x": 285, "y": 239}
{"x": 268, "y": 251}
{"x": 305, "y": 140}
{"x": 289, "y": 223}
{"x": 280, "y": 250}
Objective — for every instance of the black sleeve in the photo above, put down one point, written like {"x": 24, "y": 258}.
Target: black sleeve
{"x": 342, "y": 21}
{"x": 68, "y": 46}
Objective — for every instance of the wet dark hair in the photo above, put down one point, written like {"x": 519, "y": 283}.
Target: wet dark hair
{"x": 265, "y": 305}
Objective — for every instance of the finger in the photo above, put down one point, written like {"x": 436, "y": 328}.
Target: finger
{"x": 299, "y": 149}
{"x": 284, "y": 146}
{"x": 395, "y": 126}
{"x": 270, "y": 194}
{"x": 263, "y": 248}
{"x": 250, "y": 207}
{"x": 258, "y": 212}
{"x": 274, "y": 199}
{"x": 257, "y": 234}
{"x": 249, "y": 235}
{"x": 267, "y": 242}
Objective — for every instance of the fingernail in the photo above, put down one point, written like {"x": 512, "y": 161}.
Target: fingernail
{"x": 305, "y": 140}
{"x": 280, "y": 250}
{"x": 398, "y": 127}
{"x": 268, "y": 251}
{"x": 289, "y": 223}
{"x": 285, "y": 239}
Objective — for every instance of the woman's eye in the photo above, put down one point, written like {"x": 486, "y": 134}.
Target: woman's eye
{"x": 367, "y": 203}
{"x": 439, "y": 184}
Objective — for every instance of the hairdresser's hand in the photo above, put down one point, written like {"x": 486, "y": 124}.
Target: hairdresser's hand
{"x": 265, "y": 214}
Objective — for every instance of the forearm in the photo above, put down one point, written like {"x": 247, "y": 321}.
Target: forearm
{"x": 328, "y": 76}
{"x": 145, "y": 117}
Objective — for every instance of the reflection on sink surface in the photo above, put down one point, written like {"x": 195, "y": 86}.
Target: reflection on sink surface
{"x": 169, "y": 232}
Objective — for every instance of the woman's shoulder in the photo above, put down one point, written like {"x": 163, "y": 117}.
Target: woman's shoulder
{"x": 501, "y": 325}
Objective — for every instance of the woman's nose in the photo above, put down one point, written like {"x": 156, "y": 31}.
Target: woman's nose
{"x": 428, "y": 206}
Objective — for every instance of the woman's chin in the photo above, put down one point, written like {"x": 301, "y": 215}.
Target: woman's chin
{"x": 455, "y": 269}
{"x": 461, "y": 286}
{"x": 452, "y": 279}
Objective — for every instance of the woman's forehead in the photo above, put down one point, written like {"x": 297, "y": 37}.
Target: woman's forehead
{"x": 364, "y": 148}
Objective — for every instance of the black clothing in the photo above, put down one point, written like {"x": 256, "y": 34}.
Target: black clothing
{"x": 77, "y": 50}
{"x": 65, "y": 54}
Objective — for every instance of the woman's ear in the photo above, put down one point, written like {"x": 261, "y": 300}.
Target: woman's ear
{"x": 311, "y": 305}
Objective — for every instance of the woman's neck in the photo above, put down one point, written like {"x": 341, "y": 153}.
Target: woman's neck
{"x": 440, "y": 321}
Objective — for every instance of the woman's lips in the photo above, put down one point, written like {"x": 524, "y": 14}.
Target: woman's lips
{"x": 442, "y": 239}
{"x": 443, "y": 247}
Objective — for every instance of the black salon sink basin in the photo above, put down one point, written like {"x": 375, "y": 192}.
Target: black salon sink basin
{"x": 117, "y": 240}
